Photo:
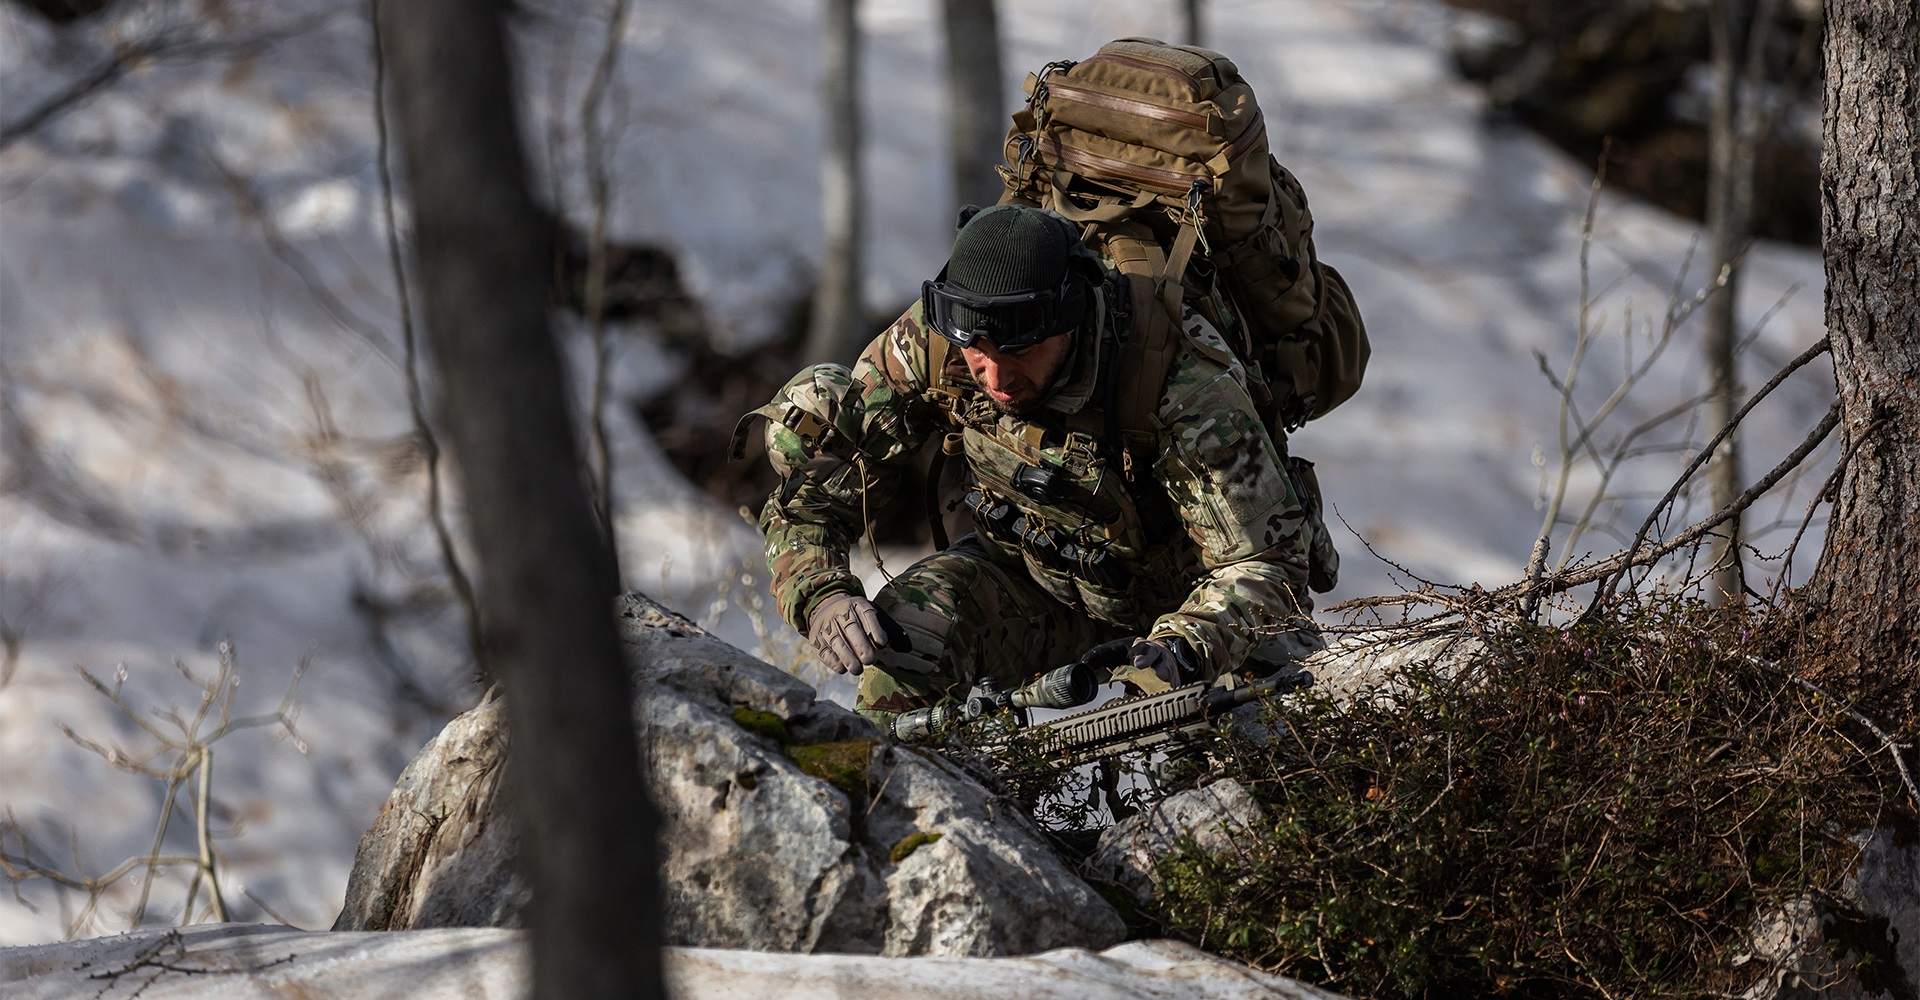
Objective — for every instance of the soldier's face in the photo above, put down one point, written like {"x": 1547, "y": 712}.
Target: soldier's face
{"x": 1017, "y": 381}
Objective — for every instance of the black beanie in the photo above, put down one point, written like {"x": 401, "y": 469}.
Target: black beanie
{"x": 1010, "y": 248}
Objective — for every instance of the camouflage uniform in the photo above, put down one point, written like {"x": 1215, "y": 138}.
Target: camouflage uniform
{"x": 1214, "y": 547}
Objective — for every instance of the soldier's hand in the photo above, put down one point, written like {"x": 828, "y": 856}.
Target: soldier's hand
{"x": 847, "y": 632}
{"x": 1169, "y": 657}
{"x": 1110, "y": 655}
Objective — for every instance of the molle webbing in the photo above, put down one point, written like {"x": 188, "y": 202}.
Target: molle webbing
{"x": 1172, "y": 138}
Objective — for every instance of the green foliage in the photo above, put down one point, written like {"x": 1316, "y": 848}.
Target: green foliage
{"x": 1595, "y": 811}
{"x": 909, "y": 844}
{"x": 764, "y": 723}
{"x": 842, "y": 765}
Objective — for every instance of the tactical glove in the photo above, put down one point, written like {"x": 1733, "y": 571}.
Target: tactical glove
{"x": 1170, "y": 658}
{"x": 847, "y": 632}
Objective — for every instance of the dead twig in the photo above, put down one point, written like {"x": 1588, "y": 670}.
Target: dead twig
{"x": 416, "y": 395}
{"x": 129, "y": 56}
{"x": 1887, "y": 742}
{"x": 181, "y": 759}
{"x": 1819, "y": 347}
{"x": 601, "y": 468}
{"x": 1634, "y": 557}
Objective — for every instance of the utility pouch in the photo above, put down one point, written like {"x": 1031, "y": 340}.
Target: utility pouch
{"x": 1323, "y": 562}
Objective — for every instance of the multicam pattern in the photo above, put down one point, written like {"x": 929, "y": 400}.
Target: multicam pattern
{"x": 1042, "y": 580}
{"x": 970, "y": 617}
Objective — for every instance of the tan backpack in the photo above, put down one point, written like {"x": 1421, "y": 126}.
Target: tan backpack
{"x": 1151, "y": 143}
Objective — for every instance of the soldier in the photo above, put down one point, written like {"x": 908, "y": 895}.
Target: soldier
{"x": 1184, "y": 560}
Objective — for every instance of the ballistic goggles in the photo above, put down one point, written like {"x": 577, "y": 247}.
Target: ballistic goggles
{"x": 1013, "y": 321}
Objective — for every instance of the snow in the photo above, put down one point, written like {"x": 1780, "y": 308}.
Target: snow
{"x": 247, "y": 961}
{"x": 208, "y": 439}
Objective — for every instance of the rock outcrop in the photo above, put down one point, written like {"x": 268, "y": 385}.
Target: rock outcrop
{"x": 789, "y": 825}
{"x": 1211, "y": 818}
{"x": 1863, "y": 944}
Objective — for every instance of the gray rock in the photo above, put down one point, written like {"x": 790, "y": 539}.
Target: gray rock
{"x": 989, "y": 885}
{"x": 1364, "y": 665}
{"x": 1863, "y": 944}
{"x": 1214, "y": 817}
{"x": 762, "y": 853}
{"x": 428, "y": 859}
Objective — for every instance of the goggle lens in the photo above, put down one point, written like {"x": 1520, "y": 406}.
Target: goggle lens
{"x": 1011, "y": 322}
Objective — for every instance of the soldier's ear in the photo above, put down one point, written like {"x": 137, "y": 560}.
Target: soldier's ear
{"x": 967, "y": 212}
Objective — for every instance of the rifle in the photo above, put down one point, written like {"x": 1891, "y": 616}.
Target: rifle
{"x": 1126, "y": 725}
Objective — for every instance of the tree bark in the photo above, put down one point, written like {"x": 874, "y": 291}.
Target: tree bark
{"x": 1191, "y": 18}
{"x": 546, "y": 575}
{"x": 839, "y": 321}
{"x": 1863, "y": 602}
{"x": 979, "y": 124}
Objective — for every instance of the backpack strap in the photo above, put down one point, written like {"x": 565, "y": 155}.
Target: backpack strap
{"x": 1100, "y": 208}
{"x": 1148, "y": 337}
{"x": 939, "y": 353}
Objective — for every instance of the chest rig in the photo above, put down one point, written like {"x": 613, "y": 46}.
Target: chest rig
{"x": 1074, "y": 496}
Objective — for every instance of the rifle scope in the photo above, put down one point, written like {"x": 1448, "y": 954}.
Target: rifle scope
{"x": 923, "y": 724}
{"x": 1063, "y": 687}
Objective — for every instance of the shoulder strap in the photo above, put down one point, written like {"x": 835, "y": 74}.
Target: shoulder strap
{"x": 1148, "y": 336}
{"x": 936, "y": 359}
{"x": 939, "y": 353}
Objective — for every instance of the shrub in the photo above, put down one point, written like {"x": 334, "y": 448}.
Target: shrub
{"x": 1588, "y": 811}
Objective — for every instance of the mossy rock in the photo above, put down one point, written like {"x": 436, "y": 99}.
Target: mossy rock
{"x": 842, "y": 765}
{"x": 764, "y": 723}
{"x": 909, "y": 844}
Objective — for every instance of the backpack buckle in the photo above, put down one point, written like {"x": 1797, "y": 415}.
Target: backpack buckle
{"x": 1037, "y": 99}
{"x": 1198, "y": 219}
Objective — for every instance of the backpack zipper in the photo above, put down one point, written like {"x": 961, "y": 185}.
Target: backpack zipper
{"x": 1127, "y": 105}
{"x": 1170, "y": 181}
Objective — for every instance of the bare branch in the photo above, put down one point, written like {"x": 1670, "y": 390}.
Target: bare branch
{"x": 1819, "y": 347}
{"x": 1633, "y": 556}
{"x": 416, "y": 396}
{"x": 189, "y": 766}
{"x": 124, "y": 59}
{"x": 599, "y": 448}
{"x": 177, "y": 43}
{"x": 297, "y": 261}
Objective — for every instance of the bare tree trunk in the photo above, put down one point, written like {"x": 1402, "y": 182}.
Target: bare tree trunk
{"x": 979, "y": 123}
{"x": 547, "y": 577}
{"x": 839, "y": 321}
{"x": 1729, "y": 218}
{"x": 1863, "y": 603}
{"x": 1191, "y": 11}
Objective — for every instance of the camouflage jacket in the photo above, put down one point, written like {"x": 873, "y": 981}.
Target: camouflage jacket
{"x": 1212, "y": 545}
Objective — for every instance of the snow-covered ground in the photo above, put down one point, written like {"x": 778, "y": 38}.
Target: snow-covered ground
{"x": 204, "y": 412}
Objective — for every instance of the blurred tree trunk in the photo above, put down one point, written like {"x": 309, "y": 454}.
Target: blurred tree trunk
{"x": 1863, "y": 603}
{"x": 1738, "y": 30}
{"x": 839, "y": 321}
{"x": 546, "y": 576}
{"x": 1190, "y": 11}
{"x": 979, "y": 122}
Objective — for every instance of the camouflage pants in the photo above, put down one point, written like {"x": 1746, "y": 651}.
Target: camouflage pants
{"x": 970, "y": 617}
